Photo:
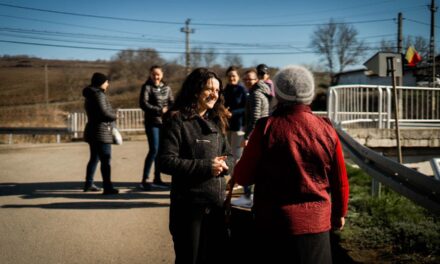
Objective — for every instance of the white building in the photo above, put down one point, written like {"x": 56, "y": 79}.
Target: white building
{"x": 363, "y": 76}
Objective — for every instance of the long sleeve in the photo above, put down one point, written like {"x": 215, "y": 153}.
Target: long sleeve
{"x": 246, "y": 168}
{"x": 170, "y": 98}
{"x": 103, "y": 106}
{"x": 144, "y": 101}
{"x": 170, "y": 158}
{"x": 226, "y": 151}
{"x": 339, "y": 183}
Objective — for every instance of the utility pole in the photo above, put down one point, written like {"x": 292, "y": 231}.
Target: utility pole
{"x": 433, "y": 9}
{"x": 399, "y": 80}
{"x": 187, "y": 31}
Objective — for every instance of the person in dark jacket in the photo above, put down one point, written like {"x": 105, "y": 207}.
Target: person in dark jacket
{"x": 235, "y": 100}
{"x": 97, "y": 133}
{"x": 196, "y": 154}
{"x": 295, "y": 160}
{"x": 155, "y": 99}
{"x": 264, "y": 75}
{"x": 257, "y": 106}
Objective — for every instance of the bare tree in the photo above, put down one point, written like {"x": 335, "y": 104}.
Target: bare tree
{"x": 387, "y": 46}
{"x": 209, "y": 57}
{"x": 339, "y": 44}
{"x": 132, "y": 65}
{"x": 420, "y": 43}
{"x": 196, "y": 57}
{"x": 232, "y": 59}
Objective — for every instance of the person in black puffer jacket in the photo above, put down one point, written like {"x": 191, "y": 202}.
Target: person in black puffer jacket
{"x": 155, "y": 99}
{"x": 97, "y": 133}
{"x": 195, "y": 152}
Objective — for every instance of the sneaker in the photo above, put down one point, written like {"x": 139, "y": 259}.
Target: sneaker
{"x": 243, "y": 201}
{"x": 160, "y": 185}
{"x": 145, "y": 186}
{"x": 110, "y": 191}
{"x": 91, "y": 188}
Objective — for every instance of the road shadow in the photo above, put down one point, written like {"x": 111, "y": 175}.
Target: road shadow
{"x": 90, "y": 205}
{"x": 73, "y": 191}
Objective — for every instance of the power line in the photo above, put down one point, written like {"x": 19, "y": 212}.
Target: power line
{"x": 291, "y": 25}
{"x": 419, "y": 22}
{"x": 280, "y": 45}
{"x": 165, "y": 52}
{"x": 197, "y": 24}
{"x": 168, "y": 52}
{"x": 88, "y": 15}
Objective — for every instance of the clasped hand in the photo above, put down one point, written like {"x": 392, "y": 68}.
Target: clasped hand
{"x": 218, "y": 165}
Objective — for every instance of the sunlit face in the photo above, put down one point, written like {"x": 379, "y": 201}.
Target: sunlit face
{"x": 209, "y": 95}
{"x": 233, "y": 77}
{"x": 156, "y": 75}
{"x": 105, "y": 85}
{"x": 250, "y": 79}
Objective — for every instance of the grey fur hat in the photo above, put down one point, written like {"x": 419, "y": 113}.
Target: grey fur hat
{"x": 294, "y": 84}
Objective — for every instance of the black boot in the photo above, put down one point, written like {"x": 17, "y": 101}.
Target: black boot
{"x": 110, "y": 191}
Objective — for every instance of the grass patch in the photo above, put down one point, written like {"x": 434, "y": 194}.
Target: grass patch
{"x": 399, "y": 230}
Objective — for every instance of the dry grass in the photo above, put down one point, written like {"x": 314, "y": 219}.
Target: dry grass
{"x": 22, "y": 90}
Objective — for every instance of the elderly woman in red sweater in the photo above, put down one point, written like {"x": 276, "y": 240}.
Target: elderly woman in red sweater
{"x": 295, "y": 160}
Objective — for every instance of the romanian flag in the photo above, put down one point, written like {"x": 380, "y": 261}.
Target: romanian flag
{"x": 412, "y": 56}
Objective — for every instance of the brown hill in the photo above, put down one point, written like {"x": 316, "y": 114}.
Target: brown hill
{"x": 23, "y": 88}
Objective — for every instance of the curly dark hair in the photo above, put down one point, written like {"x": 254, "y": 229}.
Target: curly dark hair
{"x": 192, "y": 87}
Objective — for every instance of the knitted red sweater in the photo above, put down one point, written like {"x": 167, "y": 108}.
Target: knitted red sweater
{"x": 295, "y": 160}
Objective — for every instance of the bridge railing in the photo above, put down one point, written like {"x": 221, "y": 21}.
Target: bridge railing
{"x": 129, "y": 120}
{"x": 370, "y": 106}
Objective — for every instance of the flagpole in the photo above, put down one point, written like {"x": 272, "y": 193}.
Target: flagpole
{"x": 390, "y": 68}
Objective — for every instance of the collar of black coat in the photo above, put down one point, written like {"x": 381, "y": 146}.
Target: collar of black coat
{"x": 206, "y": 123}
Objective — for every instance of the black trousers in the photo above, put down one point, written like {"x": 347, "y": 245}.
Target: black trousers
{"x": 304, "y": 249}
{"x": 199, "y": 234}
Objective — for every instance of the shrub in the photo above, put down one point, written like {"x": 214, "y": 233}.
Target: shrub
{"x": 391, "y": 223}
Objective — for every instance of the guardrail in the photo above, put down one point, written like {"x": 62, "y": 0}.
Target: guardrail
{"x": 58, "y": 131}
{"x": 369, "y": 106}
{"x": 410, "y": 183}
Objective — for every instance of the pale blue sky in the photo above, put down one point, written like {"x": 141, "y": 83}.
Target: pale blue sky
{"x": 277, "y": 26}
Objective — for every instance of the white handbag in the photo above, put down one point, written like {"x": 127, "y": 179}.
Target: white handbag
{"x": 117, "y": 137}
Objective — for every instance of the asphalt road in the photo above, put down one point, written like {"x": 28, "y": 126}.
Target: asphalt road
{"x": 45, "y": 217}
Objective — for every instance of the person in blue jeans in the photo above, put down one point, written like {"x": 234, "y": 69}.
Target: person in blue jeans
{"x": 97, "y": 133}
{"x": 155, "y": 99}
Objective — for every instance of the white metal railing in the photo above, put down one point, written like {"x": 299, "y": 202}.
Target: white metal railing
{"x": 129, "y": 120}
{"x": 370, "y": 106}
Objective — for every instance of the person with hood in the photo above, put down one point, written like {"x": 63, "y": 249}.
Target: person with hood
{"x": 296, "y": 162}
{"x": 98, "y": 132}
{"x": 155, "y": 99}
{"x": 257, "y": 106}
{"x": 196, "y": 153}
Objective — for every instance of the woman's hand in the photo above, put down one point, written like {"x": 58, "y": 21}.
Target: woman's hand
{"x": 218, "y": 166}
{"x": 338, "y": 223}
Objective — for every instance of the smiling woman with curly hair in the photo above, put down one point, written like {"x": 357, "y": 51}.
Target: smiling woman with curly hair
{"x": 195, "y": 152}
